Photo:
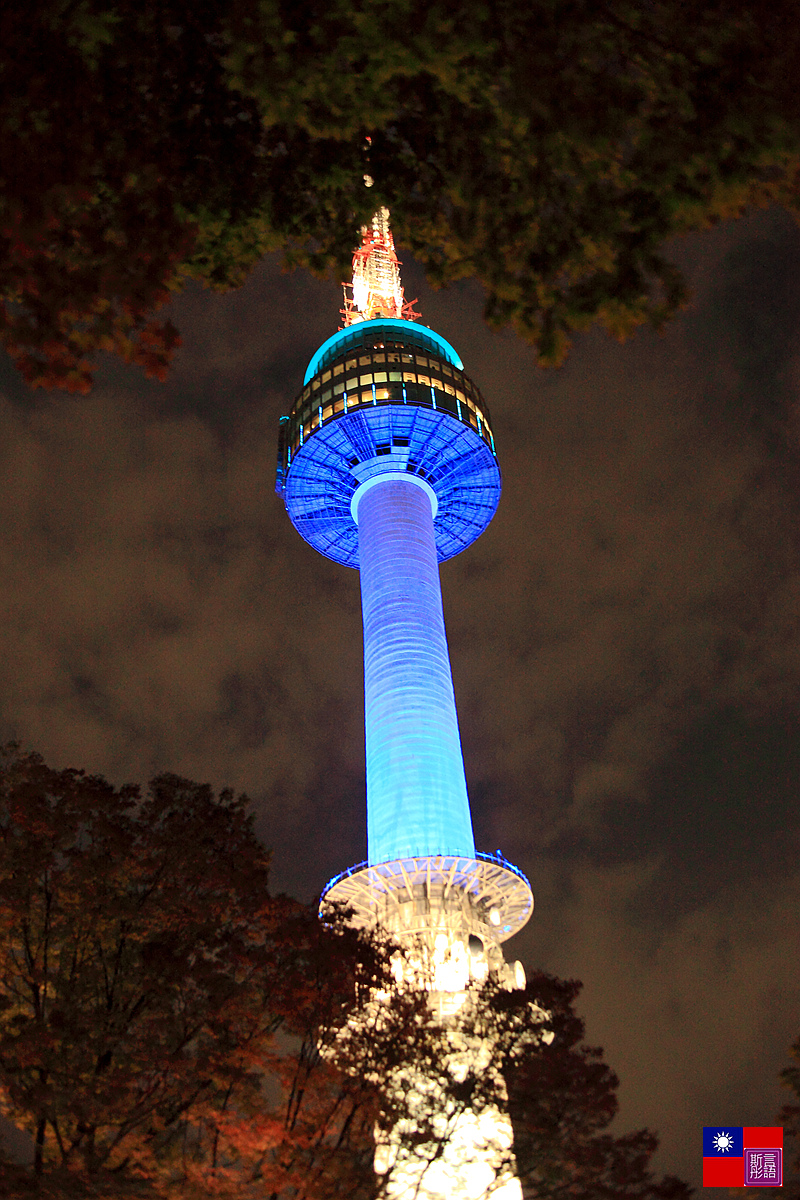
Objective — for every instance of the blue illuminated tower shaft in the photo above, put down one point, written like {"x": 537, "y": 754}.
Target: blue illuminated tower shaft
{"x": 417, "y": 793}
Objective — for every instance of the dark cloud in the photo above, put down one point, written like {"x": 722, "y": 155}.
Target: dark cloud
{"x": 749, "y": 325}
{"x": 624, "y": 639}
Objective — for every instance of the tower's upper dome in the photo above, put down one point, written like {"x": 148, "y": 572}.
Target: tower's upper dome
{"x": 387, "y": 395}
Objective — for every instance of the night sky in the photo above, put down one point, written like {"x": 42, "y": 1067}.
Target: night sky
{"x": 624, "y": 639}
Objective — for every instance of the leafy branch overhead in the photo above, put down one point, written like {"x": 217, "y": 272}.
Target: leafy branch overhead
{"x": 549, "y": 150}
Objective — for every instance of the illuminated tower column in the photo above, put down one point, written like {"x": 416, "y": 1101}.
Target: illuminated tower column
{"x": 387, "y": 464}
{"x": 415, "y": 774}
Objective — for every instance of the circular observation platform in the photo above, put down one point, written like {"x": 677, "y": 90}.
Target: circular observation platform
{"x": 386, "y": 396}
{"x": 484, "y": 895}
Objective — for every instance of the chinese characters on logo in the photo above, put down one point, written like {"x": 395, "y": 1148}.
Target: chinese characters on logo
{"x": 762, "y": 1168}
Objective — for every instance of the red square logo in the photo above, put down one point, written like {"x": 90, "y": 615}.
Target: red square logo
{"x": 723, "y": 1172}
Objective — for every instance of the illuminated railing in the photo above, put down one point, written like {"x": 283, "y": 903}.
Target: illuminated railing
{"x": 498, "y": 894}
{"x": 480, "y": 856}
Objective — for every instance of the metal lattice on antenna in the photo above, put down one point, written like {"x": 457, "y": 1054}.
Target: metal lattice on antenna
{"x": 375, "y": 289}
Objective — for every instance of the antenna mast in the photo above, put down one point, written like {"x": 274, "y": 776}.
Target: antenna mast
{"x": 376, "y": 290}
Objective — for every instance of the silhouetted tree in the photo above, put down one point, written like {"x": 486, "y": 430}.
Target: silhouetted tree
{"x": 170, "y": 1029}
{"x": 562, "y": 1100}
{"x": 789, "y": 1116}
{"x": 150, "y": 985}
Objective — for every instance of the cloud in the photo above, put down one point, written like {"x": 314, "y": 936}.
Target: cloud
{"x": 151, "y": 617}
{"x": 643, "y": 572}
{"x": 699, "y": 1018}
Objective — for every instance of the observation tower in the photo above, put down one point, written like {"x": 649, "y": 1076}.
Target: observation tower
{"x": 387, "y": 464}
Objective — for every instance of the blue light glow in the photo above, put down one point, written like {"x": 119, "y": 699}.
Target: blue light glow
{"x": 417, "y": 794}
{"x": 457, "y": 464}
{"x": 405, "y": 329}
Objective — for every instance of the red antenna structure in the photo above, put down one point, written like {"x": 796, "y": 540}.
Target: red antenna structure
{"x": 375, "y": 290}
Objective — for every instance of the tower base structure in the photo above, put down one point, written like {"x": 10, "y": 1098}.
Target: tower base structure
{"x": 448, "y": 916}
{"x": 475, "y": 1160}
{"x": 449, "y": 913}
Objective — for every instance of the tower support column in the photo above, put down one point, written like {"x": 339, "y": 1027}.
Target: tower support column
{"x": 417, "y": 792}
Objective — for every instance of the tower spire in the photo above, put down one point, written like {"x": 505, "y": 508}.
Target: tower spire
{"x": 375, "y": 289}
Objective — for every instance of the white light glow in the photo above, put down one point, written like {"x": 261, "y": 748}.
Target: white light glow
{"x": 466, "y": 1154}
{"x": 466, "y": 1168}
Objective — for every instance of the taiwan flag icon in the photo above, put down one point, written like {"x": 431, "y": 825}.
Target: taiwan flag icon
{"x": 742, "y": 1156}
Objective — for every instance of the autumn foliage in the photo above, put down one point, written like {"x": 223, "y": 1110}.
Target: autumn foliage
{"x": 548, "y": 150}
{"x": 103, "y": 152}
{"x": 168, "y": 1028}
{"x": 147, "y": 975}
{"x": 69, "y": 295}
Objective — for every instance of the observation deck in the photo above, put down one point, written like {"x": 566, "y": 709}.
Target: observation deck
{"x": 482, "y": 895}
{"x": 387, "y": 395}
